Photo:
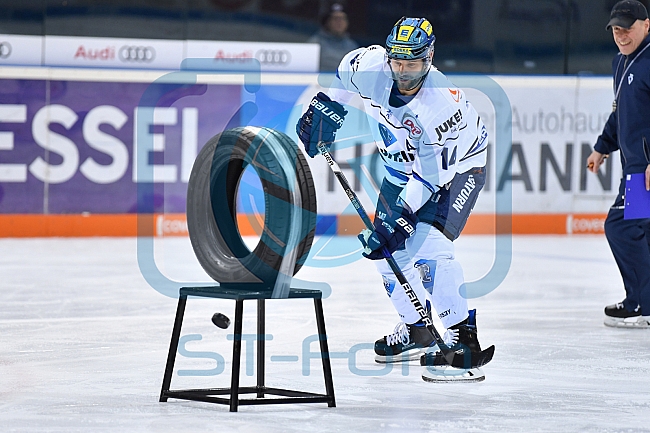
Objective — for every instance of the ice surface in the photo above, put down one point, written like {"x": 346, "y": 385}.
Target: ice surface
{"x": 85, "y": 340}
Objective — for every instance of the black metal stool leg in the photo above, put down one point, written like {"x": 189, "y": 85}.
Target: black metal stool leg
{"x": 324, "y": 351}
{"x": 261, "y": 333}
{"x": 173, "y": 347}
{"x": 264, "y": 394}
{"x": 236, "y": 356}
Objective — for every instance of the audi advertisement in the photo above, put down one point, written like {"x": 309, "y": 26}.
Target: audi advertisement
{"x": 116, "y": 53}
{"x": 272, "y": 57}
{"x": 5, "y": 50}
{"x": 21, "y": 50}
{"x": 113, "y": 53}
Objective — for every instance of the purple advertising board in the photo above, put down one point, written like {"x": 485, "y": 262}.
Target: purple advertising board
{"x": 67, "y": 146}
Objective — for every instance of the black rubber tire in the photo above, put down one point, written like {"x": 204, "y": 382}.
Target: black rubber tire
{"x": 211, "y": 205}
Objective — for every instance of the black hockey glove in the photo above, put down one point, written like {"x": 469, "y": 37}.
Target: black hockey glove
{"x": 392, "y": 227}
{"x": 320, "y": 123}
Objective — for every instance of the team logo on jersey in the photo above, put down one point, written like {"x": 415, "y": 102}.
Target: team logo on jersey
{"x": 386, "y": 135}
{"x": 450, "y": 125}
{"x": 630, "y": 78}
{"x": 455, "y": 94}
{"x": 415, "y": 131}
{"x": 389, "y": 138}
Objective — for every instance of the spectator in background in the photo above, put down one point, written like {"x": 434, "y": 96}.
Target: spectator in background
{"x": 333, "y": 38}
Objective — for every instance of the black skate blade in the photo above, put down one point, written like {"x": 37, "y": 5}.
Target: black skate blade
{"x": 478, "y": 359}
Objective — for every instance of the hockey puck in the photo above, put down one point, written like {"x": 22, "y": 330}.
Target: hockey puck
{"x": 221, "y": 320}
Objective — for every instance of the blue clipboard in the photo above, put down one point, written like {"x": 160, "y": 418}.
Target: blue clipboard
{"x": 637, "y": 199}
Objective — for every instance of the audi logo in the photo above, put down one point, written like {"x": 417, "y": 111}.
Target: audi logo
{"x": 5, "y": 50}
{"x": 273, "y": 57}
{"x": 136, "y": 54}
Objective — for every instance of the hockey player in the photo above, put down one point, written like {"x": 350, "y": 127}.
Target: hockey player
{"x": 628, "y": 130}
{"x": 433, "y": 145}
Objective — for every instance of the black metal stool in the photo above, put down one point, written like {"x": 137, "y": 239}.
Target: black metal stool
{"x": 239, "y": 295}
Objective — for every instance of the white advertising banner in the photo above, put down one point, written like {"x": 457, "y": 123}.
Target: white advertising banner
{"x": 21, "y": 50}
{"x": 88, "y": 52}
{"x": 555, "y": 123}
{"x": 273, "y": 57}
{"x": 113, "y": 53}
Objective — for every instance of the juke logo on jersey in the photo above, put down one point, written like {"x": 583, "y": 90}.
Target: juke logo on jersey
{"x": 464, "y": 194}
{"x": 450, "y": 124}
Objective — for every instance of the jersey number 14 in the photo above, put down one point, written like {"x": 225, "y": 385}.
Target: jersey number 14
{"x": 446, "y": 161}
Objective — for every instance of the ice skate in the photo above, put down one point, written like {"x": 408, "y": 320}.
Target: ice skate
{"x": 407, "y": 342}
{"x": 410, "y": 342}
{"x": 617, "y": 316}
{"x": 447, "y": 374}
{"x": 466, "y": 345}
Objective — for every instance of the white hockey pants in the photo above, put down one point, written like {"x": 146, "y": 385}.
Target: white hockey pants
{"x": 429, "y": 265}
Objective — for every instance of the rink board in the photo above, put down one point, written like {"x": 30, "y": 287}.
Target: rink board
{"x": 68, "y": 160}
{"x": 26, "y": 225}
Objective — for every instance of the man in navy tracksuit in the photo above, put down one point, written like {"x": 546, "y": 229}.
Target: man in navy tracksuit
{"x": 628, "y": 130}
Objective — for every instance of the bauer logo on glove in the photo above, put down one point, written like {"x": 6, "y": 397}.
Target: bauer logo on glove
{"x": 390, "y": 231}
{"x": 406, "y": 225}
{"x": 327, "y": 112}
{"x": 319, "y": 123}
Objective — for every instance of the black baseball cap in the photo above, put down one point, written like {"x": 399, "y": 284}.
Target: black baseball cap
{"x": 625, "y": 13}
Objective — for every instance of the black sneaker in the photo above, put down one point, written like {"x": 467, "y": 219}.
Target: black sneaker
{"x": 619, "y": 317}
{"x": 407, "y": 342}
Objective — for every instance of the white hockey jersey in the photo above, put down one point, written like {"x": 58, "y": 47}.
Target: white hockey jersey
{"x": 423, "y": 143}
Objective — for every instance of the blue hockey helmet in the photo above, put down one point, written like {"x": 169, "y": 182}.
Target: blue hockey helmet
{"x": 410, "y": 39}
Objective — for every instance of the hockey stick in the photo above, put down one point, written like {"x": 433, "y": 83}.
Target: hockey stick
{"x": 449, "y": 355}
